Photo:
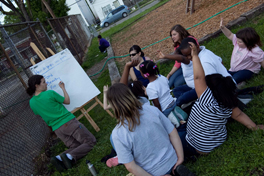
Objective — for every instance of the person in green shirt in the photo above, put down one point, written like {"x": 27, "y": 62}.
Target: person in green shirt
{"x": 49, "y": 105}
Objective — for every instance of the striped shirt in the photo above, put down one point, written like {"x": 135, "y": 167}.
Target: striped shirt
{"x": 206, "y": 128}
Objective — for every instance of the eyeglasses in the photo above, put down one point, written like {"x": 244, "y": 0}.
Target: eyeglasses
{"x": 133, "y": 54}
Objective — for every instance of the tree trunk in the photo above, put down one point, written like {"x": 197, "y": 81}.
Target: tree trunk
{"x": 22, "y": 7}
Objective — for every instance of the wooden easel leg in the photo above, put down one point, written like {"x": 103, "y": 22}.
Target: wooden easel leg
{"x": 88, "y": 117}
{"x": 98, "y": 101}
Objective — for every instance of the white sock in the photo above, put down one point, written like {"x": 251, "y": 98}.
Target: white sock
{"x": 58, "y": 157}
{"x": 69, "y": 156}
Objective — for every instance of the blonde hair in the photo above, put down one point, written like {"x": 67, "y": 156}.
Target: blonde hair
{"x": 125, "y": 105}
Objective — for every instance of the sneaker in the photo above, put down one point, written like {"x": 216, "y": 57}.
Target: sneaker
{"x": 183, "y": 106}
{"x": 111, "y": 155}
{"x": 112, "y": 162}
{"x": 58, "y": 164}
{"x": 66, "y": 161}
{"x": 181, "y": 170}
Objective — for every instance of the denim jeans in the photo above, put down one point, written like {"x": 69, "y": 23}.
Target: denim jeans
{"x": 187, "y": 148}
{"x": 241, "y": 75}
{"x": 176, "y": 79}
{"x": 167, "y": 111}
{"x": 184, "y": 94}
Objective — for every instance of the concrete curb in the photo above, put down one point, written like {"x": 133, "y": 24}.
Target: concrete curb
{"x": 112, "y": 68}
{"x": 242, "y": 19}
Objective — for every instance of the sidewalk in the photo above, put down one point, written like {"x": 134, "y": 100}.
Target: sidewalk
{"x": 130, "y": 16}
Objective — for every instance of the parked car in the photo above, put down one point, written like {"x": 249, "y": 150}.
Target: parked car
{"x": 120, "y": 12}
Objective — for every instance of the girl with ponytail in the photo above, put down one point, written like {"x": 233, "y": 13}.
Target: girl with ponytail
{"x": 158, "y": 88}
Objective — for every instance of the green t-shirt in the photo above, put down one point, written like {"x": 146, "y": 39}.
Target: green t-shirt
{"x": 48, "y": 105}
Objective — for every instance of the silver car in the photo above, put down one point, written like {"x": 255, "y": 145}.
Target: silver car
{"x": 120, "y": 12}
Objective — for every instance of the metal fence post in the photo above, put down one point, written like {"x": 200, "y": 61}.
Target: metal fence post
{"x": 47, "y": 35}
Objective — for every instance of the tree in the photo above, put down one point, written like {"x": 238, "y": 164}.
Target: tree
{"x": 30, "y": 10}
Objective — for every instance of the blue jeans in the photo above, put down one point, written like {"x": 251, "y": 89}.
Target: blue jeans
{"x": 176, "y": 79}
{"x": 187, "y": 148}
{"x": 241, "y": 75}
{"x": 184, "y": 94}
{"x": 167, "y": 111}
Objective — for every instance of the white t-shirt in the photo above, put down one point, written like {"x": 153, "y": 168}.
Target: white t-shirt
{"x": 211, "y": 64}
{"x": 149, "y": 144}
{"x": 187, "y": 71}
{"x": 160, "y": 89}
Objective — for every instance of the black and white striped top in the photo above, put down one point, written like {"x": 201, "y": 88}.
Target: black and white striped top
{"x": 206, "y": 128}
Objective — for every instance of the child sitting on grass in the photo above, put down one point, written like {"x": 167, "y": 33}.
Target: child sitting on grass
{"x": 247, "y": 57}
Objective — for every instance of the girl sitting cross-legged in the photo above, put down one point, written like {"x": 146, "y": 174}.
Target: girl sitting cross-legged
{"x": 206, "y": 127}
{"x": 158, "y": 88}
{"x": 247, "y": 57}
{"x": 145, "y": 140}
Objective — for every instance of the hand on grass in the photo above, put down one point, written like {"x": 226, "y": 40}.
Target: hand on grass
{"x": 257, "y": 127}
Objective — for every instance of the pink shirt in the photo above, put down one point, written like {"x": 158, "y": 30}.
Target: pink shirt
{"x": 243, "y": 59}
{"x": 178, "y": 64}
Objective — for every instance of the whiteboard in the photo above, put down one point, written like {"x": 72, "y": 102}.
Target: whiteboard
{"x": 64, "y": 67}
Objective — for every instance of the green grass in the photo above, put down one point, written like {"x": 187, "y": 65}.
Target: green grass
{"x": 93, "y": 55}
{"x": 241, "y": 154}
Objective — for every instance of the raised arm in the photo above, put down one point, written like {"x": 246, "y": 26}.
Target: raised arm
{"x": 124, "y": 78}
{"x": 106, "y": 106}
{"x": 226, "y": 31}
{"x": 66, "y": 96}
{"x": 174, "y": 56}
{"x": 198, "y": 72}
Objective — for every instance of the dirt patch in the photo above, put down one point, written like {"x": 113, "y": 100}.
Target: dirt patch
{"x": 157, "y": 24}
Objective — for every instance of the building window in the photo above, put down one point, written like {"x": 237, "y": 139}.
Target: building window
{"x": 116, "y": 4}
{"x": 106, "y": 9}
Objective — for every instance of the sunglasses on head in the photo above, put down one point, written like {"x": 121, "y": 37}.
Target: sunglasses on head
{"x": 133, "y": 54}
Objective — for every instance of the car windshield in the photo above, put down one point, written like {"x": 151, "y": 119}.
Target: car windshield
{"x": 109, "y": 15}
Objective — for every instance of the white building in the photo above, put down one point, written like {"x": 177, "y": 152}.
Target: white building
{"x": 99, "y": 8}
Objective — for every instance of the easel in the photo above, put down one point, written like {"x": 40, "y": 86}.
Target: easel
{"x": 82, "y": 109}
{"x": 190, "y": 8}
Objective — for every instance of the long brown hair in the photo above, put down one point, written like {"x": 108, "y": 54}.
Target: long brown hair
{"x": 125, "y": 105}
{"x": 182, "y": 32}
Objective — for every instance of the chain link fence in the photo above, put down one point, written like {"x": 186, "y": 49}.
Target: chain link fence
{"x": 22, "y": 134}
{"x": 72, "y": 33}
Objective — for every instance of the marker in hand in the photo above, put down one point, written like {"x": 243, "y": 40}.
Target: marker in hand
{"x": 61, "y": 84}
